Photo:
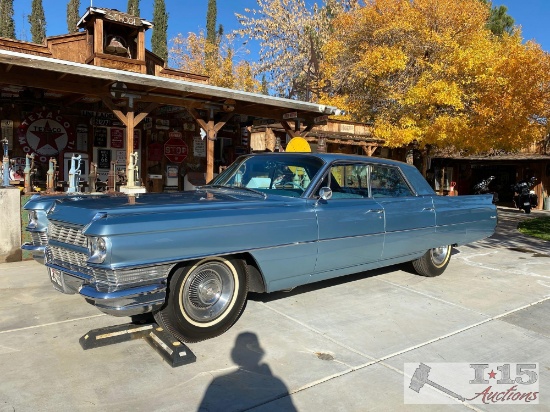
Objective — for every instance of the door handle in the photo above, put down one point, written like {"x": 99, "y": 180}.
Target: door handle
{"x": 375, "y": 211}
{"x": 428, "y": 209}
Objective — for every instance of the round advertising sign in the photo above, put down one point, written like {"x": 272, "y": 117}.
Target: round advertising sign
{"x": 47, "y": 134}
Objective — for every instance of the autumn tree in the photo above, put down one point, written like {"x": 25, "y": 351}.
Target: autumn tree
{"x": 7, "y": 25}
{"x": 428, "y": 72}
{"x": 73, "y": 15}
{"x": 159, "y": 43}
{"x": 213, "y": 55}
{"x": 133, "y": 7}
{"x": 37, "y": 21}
{"x": 291, "y": 35}
{"x": 194, "y": 54}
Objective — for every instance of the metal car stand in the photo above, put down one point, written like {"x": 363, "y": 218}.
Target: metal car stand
{"x": 172, "y": 350}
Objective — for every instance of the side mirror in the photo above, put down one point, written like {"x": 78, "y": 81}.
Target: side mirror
{"x": 325, "y": 193}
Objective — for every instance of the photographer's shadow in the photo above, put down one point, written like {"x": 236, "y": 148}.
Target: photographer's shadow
{"x": 252, "y": 384}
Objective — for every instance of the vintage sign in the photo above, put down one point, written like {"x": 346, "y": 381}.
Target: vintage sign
{"x": 199, "y": 147}
{"x": 47, "y": 134}
{"x": 290, "y": 115}
{"x": 103, "y": 158}
{"x": 82, "y": 137}
{"x": 137, "y": 138}
{"x": 115, "y": 15}
{"x": 320, "y": 119}
{"x": 162, "y": 124}
{"x": 121, "y": 157}
{"x": 175, "y": 148}
{"x": 117, "y": 138}
{"x": 100, "y": 137}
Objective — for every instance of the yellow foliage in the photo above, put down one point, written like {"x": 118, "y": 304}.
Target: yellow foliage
{"x": 430, "y": 71}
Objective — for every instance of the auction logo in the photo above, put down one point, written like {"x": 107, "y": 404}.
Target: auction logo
{"x": 47, "y": 134}
{"x": 473, "y": 383}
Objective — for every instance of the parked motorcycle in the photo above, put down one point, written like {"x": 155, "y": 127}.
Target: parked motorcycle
{"x": 482, "y": 188}
{"x": 525, "y": 197}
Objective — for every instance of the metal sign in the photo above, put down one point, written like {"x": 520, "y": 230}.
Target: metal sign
{"x": 118, "y": 90}
{"x": 320, "y": 119}
{"x": 175, "y": 148}
{"x": 291, "y": 115}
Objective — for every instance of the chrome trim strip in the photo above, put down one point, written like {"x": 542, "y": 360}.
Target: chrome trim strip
{"x": 79, "y": 275}
{"x": 33, "y": 248}
{"x": 93, "y": 293}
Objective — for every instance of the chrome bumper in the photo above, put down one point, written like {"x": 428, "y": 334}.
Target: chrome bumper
{"x": 37, "y": 251}
{"x": 128, "y": 302}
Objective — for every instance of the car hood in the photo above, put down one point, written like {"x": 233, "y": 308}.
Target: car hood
{"x": 82, "y": 211}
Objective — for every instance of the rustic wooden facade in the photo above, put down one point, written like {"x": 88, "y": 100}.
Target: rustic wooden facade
{"x": 120, "y": 98}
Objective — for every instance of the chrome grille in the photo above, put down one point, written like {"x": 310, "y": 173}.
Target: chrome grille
{"x": 68, "y": 259}
{"x": 39, "y": 238}
{"x": 67, "y": 234}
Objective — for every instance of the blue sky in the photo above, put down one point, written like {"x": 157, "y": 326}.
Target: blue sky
{"x": 190, "y": 16}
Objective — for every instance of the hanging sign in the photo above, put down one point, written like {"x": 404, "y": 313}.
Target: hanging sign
{"x": 47, "y": 134}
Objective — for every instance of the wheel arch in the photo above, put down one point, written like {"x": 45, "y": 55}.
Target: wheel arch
{"x": 256, "y": 281}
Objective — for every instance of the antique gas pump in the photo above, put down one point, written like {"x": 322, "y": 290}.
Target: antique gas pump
{"x": 29, "y": 165}
{"x": 51, "y": 175}
{"x": 74, "y": 174}
{"x": 6, "y": 165}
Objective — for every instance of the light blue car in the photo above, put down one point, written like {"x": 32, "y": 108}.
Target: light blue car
{"x": 269, "y": 222}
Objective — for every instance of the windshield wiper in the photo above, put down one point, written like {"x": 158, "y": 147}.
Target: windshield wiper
{"x": 257, "y": 192}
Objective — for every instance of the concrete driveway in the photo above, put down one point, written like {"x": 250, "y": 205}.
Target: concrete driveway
{"x": 339, "y": 345}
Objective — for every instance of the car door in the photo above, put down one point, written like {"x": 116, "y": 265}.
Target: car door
{"x": 350, "y": 224}
{"x": 410, "y": 219}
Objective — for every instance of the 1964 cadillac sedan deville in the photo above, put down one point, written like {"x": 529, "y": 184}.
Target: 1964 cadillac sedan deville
{"x": 271, "y": 221}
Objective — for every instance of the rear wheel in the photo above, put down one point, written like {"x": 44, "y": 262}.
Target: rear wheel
{"x": 433, "y": 262}
{"x": 527, "y": 209}
{"x": 204, "y": 299}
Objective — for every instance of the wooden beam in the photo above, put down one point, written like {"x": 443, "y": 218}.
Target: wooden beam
{"x": 211, "y": 130}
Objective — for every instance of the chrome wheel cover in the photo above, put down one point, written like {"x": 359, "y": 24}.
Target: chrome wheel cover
{"x": 439, "y": 255}
{"x": 208, "y": 291}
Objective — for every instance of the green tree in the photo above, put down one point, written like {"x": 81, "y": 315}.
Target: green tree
{"x": 211, "y": 15}
{"x": 133, "y": 7}
{"x": 499, "y": 21}
{"x": 73, "y": 15}
{"x": 7, "y": 25}
{"x": 37, "y": 21}
{"x": 158, "y": 39}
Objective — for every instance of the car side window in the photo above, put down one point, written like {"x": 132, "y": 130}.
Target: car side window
{"x": 348, "y": 181}
{"x": 387, "y": 181}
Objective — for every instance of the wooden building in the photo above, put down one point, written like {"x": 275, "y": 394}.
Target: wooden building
{"x": 100, "y": 94}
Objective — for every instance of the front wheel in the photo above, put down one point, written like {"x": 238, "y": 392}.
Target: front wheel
{"x": 205, "y": 298}
{"x": 433, "y": 262}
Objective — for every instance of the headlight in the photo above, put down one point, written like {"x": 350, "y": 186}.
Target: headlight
{"x": 33, "y": 218}
{"x": 97, "y": 247}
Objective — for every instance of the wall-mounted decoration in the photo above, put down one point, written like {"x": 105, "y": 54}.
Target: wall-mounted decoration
{"x": 47, "y": 134}
{"x": 117, "y": 138}
{"x": 100, "y": 137}
{"x": 103, "y": 158}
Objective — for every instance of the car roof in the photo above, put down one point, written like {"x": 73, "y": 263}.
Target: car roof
{"x": 330, "y": 157}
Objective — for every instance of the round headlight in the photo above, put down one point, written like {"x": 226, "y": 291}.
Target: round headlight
{"x": 98, "y": 249}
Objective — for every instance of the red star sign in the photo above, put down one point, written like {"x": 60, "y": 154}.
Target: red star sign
{"x": 47, "y": 142}
{"x": 492, "y": 374}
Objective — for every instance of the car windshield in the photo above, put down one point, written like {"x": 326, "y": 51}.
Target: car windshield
{"x": 279, "y": 174}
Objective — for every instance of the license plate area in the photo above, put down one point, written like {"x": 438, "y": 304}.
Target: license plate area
{"x": 526, "y": 203}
